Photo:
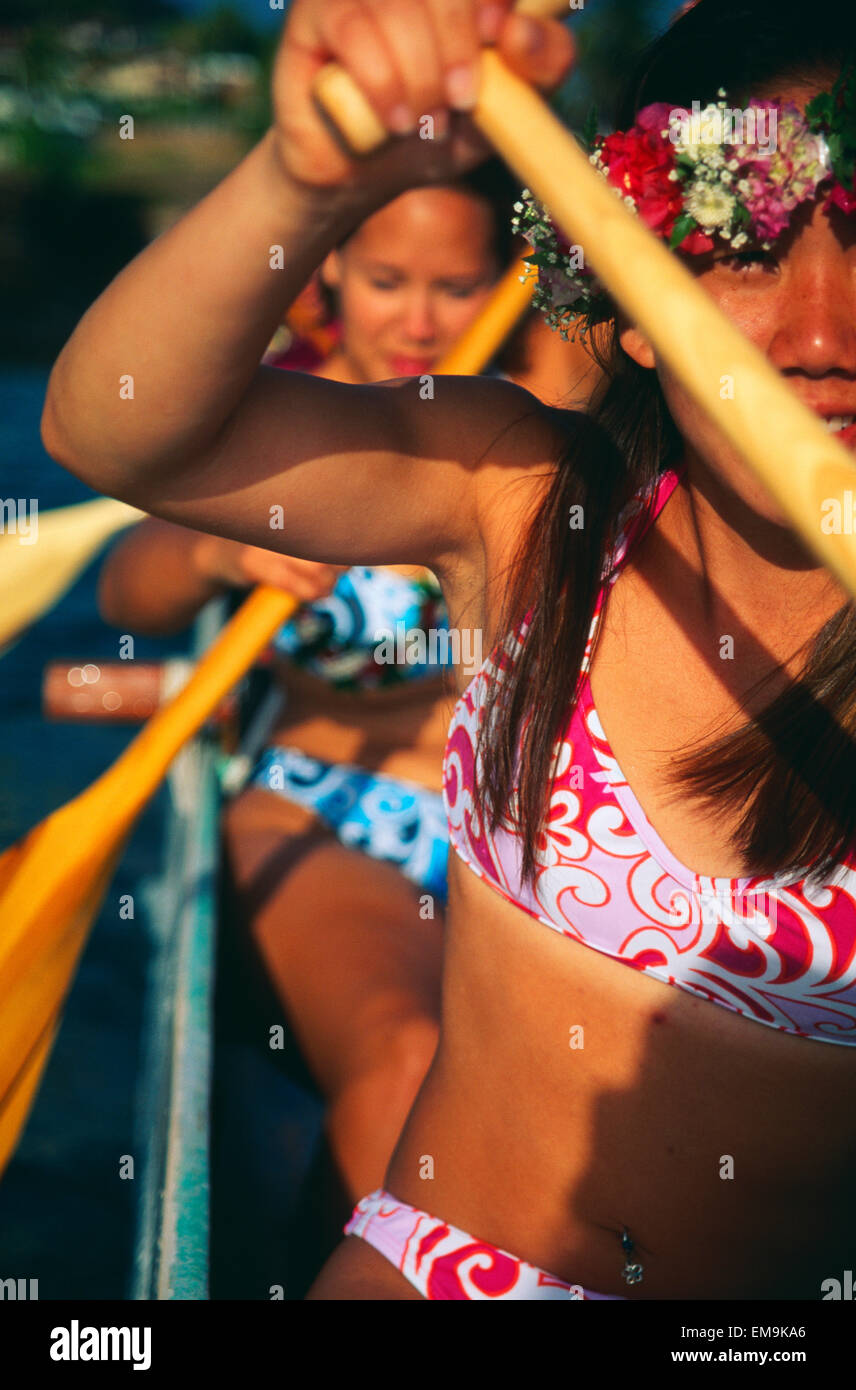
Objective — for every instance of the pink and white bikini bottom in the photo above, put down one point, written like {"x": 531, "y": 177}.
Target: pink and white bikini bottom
{"x": 443, "y": 1262}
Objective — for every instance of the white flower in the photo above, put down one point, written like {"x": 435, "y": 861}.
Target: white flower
{"x": 702, "y": 134}
{"x": 712, "y": 156}
{"x": 710, "y": 205}
{"x": 739, "y": 240}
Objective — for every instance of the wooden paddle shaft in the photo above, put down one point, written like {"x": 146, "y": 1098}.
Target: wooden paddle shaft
{"x": 803, "y": 468}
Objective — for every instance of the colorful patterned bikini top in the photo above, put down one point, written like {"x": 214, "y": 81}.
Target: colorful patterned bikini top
{"x": 769, "y": 948}
{"x": 376, "y": 628}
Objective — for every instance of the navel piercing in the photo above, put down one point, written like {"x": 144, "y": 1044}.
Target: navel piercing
{"x": 631, "y": 1272}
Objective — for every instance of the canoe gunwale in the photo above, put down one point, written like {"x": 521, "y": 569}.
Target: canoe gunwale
{"x": 172, "y": 1241}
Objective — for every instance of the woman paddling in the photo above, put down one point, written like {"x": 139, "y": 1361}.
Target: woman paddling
{"x": 338, "y": 845}
{"x": 676, "y": 1129}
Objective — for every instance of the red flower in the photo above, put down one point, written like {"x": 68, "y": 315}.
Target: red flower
{"x": 640, "y": 162}
{"x": 696, "y": 243}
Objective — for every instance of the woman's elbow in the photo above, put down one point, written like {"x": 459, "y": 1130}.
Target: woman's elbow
{"x": 51, "y": 433}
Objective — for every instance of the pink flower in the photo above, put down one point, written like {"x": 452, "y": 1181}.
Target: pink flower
{"x": 772, "y": 183}
{"x": 841, "y": 197}
{"x": 654, "y": 117}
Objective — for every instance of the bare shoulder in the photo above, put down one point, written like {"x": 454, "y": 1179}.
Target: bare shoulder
{"x": 356, "y": 1271}
{"x": 494, "y": 422}
{"x": 509, "y": 440}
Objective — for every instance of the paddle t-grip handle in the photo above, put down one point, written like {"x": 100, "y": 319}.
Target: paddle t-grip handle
{"x": 352, "y": 113}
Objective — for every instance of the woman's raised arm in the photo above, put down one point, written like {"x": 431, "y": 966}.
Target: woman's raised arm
{"x": 158, "y": 396}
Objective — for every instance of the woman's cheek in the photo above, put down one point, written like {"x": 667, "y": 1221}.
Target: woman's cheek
{"x": 368, "y": 317}
{"x": 372, "y": 311}
{"x": 745, "y": 300}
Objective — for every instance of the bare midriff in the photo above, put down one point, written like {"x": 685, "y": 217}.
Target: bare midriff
{"x": 726, "y": 1148}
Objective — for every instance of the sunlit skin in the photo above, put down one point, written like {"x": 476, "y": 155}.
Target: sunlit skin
{"x": 409, "y": 281}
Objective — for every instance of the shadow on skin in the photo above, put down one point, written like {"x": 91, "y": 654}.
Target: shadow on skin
{"x": 726, "y": 1163}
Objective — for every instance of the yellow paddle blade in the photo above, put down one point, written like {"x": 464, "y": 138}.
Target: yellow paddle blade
{"x": 13, "y": 1115}
{"x": 41, "y": 940}
{"x": 52, "y": 882}
{"x": 36, "y": 971}
{"x": 36, "y": 569}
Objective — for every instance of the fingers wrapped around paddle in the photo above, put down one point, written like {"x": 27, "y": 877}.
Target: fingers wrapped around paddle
{"x": 416, "y": 64}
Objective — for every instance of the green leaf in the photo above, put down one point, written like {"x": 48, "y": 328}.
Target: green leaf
{"x": 819, "y": 110}
{"x": 682, "y": 228}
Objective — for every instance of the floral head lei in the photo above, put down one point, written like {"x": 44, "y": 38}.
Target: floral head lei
{"x": 700, "y": 179}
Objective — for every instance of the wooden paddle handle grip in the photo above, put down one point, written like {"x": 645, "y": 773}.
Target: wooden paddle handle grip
{"x": 354, "y": 116}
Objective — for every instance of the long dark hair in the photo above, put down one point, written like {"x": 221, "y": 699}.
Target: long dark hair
{"x": 791, "y": 769}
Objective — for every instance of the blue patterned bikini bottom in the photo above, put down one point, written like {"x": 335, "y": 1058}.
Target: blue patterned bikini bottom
{"x": 386, "y": 818}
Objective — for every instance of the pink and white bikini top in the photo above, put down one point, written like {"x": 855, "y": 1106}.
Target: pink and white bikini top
{"x": 769, "y": 948}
